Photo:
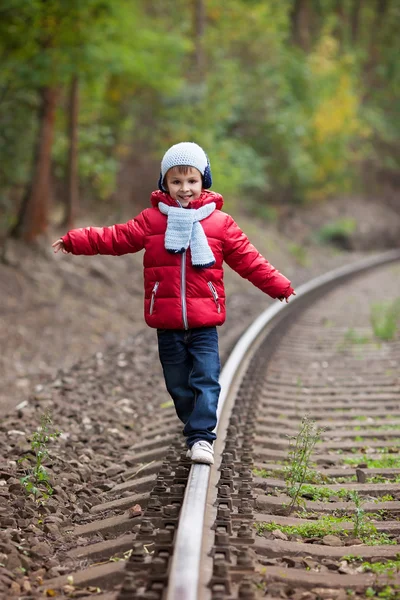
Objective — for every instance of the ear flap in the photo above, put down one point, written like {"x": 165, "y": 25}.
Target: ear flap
{"x": 207, "y": 179}
{"x": 160, "y": 183}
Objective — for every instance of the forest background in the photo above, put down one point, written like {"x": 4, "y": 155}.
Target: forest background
{"x": 295, "y": 101}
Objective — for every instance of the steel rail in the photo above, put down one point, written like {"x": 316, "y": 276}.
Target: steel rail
{"x": 184, "y": 576}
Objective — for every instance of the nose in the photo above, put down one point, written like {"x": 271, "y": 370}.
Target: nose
{"x": 185, "y": 185}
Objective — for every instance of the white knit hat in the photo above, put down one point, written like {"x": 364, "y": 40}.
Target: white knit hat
{"x": 188, "y": 154}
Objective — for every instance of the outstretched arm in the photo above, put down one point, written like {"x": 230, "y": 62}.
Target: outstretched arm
{"x": 243, "y": 258}
{"x": 114, "y": 240}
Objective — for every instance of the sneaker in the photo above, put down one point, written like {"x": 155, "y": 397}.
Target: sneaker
{"x": 202, "y": 452}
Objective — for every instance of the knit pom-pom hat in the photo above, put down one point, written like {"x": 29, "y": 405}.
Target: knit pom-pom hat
{"x": 186, "y": 154}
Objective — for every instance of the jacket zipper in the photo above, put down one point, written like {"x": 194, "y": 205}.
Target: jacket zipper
{"x": 183, "y": 285}
{"x": 215, "y": 295}
{"x": 183, "y": 291}
{"x": 153, "y": 296}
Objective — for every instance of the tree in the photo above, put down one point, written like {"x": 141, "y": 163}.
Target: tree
{"x": 72, "y": 195}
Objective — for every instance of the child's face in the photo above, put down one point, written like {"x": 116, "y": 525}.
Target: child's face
{"x": 184, "y": 184}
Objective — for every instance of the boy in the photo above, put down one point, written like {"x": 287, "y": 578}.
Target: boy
{"x": 186, "y": 238}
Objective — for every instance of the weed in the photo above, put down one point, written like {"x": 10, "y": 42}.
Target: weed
{"x": 352, "y": 337}
{"x": 384, "y": 318}
{"x": 337, "y": 232}
{"x": 359, "y": 514}
{"x": 326, "y": 525}
{"x": 382, "y": 479}
{"x": 389, "y": 567}
{"x": 264, "y": 473}
{"x": 37, "y": 480}
{"x": 299, "y": 458}
{"x": 385, "y": 462}
{"x": 329, "y": 525}
{"x": 317, "y": 493}
{"x": 388, "y": 592}
{"x": 385, "y": 498}
{"x": 299, "y": 253}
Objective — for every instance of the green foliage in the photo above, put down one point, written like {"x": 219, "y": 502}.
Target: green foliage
{"x": 385, "y": 317}
{"x": 299, "y": 253}
{"x": 385, "y": 462}
{"x": 279, "y": 122}
{"x": 337, "y": 232}
{"x": 329, "y": 525}
{"x": 37, "y": 479}
{"x": 389, "y": 592}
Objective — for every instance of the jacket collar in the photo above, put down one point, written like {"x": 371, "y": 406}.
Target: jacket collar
{"x": 205, "y": 198}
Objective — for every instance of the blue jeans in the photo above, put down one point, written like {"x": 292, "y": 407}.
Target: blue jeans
{"x": 191, "y": 366}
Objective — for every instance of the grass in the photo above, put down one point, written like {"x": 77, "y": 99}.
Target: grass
{"x": 387, "y": 592}
{"x": 382, "y": 479}
{"x": 329, "y": 525}
{"x": 337, "y": 232}
{"x": 389, "y": 567}
{"x": 384, "y": 318}
{"x": 311, "y": 475}
{"x": 387, "y": 461}
{"x": 299, "y": 254}
{"x": 318, "y": 493}
{"x": 352, "y": 337}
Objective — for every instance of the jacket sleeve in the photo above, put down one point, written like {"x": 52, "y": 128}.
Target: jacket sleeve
{"x": 114, "y": 240}
{"x": 243, "y": 258}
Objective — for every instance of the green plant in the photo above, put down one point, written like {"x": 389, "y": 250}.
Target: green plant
{"x": 359, "y": 514}
{"x": 385, "y": 498}
{"x": 325, "y": 525}
{"x": 299, "y": 253}
{"x": 37, "y": 480}
{"x": 328, "y": 525}
{"x": 351, "y": 336}
{"x": 384, "y": 318}
{"x": 388, "y": 461}
{"x": 299, "y": 459}
{"x": 388, "y": 592}
{"x": 337, "y": 232}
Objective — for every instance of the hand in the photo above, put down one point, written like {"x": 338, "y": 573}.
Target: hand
{"x": 282, "y": 298}
{"x": 59, "y": 245}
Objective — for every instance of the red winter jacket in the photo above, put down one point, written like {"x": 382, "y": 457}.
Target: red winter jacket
{"x": 176, "y": 294}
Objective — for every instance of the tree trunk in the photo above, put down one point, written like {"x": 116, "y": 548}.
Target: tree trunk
{"x": 72, "y": 197}
{"x": 199, "y": 20}
{"x": 355, "y": 20}
{"x": 33, "y": 214}
{"x": 301, "y": 24}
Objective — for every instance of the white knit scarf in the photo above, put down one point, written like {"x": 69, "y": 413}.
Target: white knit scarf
{"x": 184, "y": 230}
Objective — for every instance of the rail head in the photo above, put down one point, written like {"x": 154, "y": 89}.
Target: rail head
{"x": 186, "y": 561}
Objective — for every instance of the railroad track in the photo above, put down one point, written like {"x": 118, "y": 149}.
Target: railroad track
{"x": 311, "y": 372}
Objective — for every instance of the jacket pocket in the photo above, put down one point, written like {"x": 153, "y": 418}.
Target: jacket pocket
{"x": 153, "y": 296}
{"x": 215, "y": 295}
